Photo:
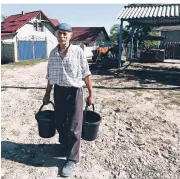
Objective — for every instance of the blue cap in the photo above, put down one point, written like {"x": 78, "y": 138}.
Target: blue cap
{"x": 64, "y": 27}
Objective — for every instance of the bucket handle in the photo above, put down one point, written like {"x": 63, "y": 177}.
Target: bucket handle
{"x": 44, "y": 105}
{"x": 87, "y": 107}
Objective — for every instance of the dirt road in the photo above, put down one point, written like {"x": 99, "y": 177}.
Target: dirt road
{"x": 139, "y": 135}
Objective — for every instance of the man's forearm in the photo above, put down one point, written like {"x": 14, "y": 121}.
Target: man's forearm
{"x": 88, "y": 82}
{"x": 48, "y": 89}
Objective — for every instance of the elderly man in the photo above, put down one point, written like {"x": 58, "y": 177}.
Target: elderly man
{"x": 67, "y": 67}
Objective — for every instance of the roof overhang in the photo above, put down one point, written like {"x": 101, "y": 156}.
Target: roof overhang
{"x": 169, "y": 28}
{"x": 8, "y": 34}
{"x": 156, "y": 15}
{"x": 151, "y": 37}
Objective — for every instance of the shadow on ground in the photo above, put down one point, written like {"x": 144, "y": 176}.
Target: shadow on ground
{"x": 142, "y": 74}
{"x": 3, "y": 88}
{"x": 152, "y": 75}
{"x": 38, "y": 155}
{"x": 139, "y": 73}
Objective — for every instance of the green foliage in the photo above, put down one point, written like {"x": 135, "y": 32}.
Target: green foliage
{"x": 114, "y": 33}
{"x": 24, "y": 63}
{"x": 151, "y": 43}
{"x": 139, "y": 33}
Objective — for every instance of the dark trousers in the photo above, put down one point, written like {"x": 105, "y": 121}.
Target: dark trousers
{"x": 68, "y": 118}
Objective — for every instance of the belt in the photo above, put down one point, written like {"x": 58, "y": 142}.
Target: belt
{"x": 67, "y": 87}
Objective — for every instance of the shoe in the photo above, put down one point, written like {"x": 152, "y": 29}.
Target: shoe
{"x": 68, "y": 168}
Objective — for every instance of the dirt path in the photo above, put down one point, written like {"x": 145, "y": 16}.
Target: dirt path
{"x": 139, "y": 135}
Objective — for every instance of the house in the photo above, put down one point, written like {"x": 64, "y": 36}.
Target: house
{"x": 27, "y": 36}
{"x": 31, "y": 35}
{"x": 90, "y": 37}
{"x": 55, "y": 22}
{"x": 171, "y": 42}
{"x": 171, "y": 33}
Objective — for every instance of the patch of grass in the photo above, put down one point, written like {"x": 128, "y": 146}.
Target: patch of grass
{"x": 175, "y": 102}
{"x": 148, "y": 99}
{"x": 171, "y": 98}
{"x": 119, "y": 90}
{"x": 25, "y": 63}
{"x": 171, "y": 102}
{"x": 159, "y": 105}
{"x": 173, "y": 94}
{"x": 138, "y": 93}
{"x": 136, "y": 65}
{"x": 112, "y": 102}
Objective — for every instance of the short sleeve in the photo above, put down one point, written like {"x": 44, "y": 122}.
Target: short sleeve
{"x": 84, "y": 64}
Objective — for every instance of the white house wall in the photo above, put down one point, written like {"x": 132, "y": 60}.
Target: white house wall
{"x": 27, "y": 31}
{"x": 51, "y": 39}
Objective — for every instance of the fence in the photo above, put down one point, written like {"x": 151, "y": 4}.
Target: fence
{"x": 7, "y": 52}
{"x": 172, "y": 50}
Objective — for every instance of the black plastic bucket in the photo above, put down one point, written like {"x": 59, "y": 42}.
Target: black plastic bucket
{"x": 91, "y": 122}
{"x": 46, "y": 122}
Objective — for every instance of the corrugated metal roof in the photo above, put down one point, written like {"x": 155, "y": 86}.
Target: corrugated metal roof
{"x": 143, "y": 12}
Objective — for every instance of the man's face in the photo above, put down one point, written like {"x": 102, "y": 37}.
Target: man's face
{"x": 63, "y": 37}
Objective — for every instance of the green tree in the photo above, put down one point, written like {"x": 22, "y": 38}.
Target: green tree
{"x": 143, "y": 31}
{"x": 139, "y": 33}
{"x": 114, "y": 33}
{"x": 151, "y": 43}
{"x": 3, "y": 17}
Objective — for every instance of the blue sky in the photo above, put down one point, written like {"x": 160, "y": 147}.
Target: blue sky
{"x": 78, "y": 15}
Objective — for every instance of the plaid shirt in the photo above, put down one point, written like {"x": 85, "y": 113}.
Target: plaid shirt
{"x": 69, "y": 70}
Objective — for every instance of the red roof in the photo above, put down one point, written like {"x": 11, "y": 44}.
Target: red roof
{"x": 88, "y": 34}
{"x": 7, "y": 34}
{"x": 14, "y": 22}
{"x": 55, "y": 22}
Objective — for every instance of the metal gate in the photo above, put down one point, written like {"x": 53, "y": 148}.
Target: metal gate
{"x": 39, "y": 49}
{"x": 25, "y": 50}
{"x": 31, "y": 49}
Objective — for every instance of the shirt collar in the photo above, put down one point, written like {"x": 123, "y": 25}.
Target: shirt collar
{"x": 58, "y": 47}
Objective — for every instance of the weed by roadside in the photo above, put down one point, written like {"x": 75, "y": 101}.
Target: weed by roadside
{"x": 25, "y": 63}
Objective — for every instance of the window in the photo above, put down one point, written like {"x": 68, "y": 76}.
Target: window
{"x": 38, "y": 27}
{"x": 35, "y": 26}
